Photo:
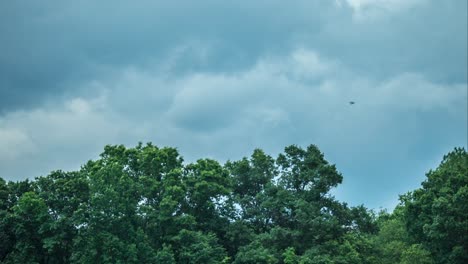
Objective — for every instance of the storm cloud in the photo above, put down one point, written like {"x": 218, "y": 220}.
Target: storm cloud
{"x": 219, "y": 79}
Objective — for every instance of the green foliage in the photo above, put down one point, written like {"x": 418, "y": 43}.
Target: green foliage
{"x": 392, "y": 238}
{"x": 437, "y": 214}
{"x": 29, "y": 217}
{"x": 416, "y": 254}
{"x": 165, "y": 255}
{"x": 251, "y": 180}
{"x": 290, "y": 256}
{"x": 255, "y": 252}
{"x": 144, "y": 205}
{"x": 196, "y": 247}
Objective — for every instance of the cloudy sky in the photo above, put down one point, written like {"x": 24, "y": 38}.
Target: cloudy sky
{"x": 220, "y": 78}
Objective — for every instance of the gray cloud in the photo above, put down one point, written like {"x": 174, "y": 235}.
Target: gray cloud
{"x": 299, "y": 98}
{"x": 51, "y": 48}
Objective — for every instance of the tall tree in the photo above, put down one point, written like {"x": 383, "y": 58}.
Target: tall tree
{"x": 305, "y": 180}
{"x": 208, "y": 186}
{"x": 30, "y": 219}
{"x": 63, "y": 193}
{"x": 437, "y": 213}
{"x": 251, "y": 180}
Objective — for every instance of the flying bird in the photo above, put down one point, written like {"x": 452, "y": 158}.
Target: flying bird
{"x": 351, "y": 102}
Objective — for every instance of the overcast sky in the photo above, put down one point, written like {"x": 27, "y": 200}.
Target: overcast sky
{"x": 220, "y": 78}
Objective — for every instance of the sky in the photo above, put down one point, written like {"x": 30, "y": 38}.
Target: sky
{"x": 217, "y": 79}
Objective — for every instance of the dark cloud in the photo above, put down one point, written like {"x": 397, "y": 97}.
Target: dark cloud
{"x": 48, "y": 48}
{"x": 219, "y": 79}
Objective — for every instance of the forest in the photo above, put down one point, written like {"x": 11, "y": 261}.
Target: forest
{"x": 146, "y": 205}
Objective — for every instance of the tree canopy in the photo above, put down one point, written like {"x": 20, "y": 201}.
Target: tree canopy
{"x": 145, "y": 205}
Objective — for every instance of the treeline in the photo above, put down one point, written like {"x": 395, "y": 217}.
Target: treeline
{"x": 144, "y": 205}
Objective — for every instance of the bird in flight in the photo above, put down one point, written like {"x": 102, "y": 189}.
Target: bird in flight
{"x": 351, "y": 102}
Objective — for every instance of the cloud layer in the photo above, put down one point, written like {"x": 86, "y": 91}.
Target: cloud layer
{"x": 48, "y": 48}
{"x": 218, "y": 80}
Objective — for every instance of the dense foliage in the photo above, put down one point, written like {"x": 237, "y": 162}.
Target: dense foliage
{"x": 144, "y": 205}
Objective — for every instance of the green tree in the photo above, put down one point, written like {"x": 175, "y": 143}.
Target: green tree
{"x": 305, "y": 180}
{"x": 239, "y": 233}
{"x": 416, "y": 254}
{"x": 290, "y": 256}
{"x": 392, "y": 238}
{"x": 255, "y": 252}
{"x": 208, "y": 188}
{"x": 109, "y": 223}
{"x": 63, "y": 193}
{"x": 143, "y": 205}
{"x": 436, "y": 215}
{"x": 6, "y": 234}
{"x": 251, "y": 180}
{"x": 165, "y": 255}
{"x": 29, "y": 217}
{"x": 197, "y": 248}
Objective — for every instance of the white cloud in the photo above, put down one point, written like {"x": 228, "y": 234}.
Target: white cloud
{"x": 14, "y": 143}
{"x": 375, "y": 9}
{"x": 414, "y": 92}
{"x": 56, "y": 137}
